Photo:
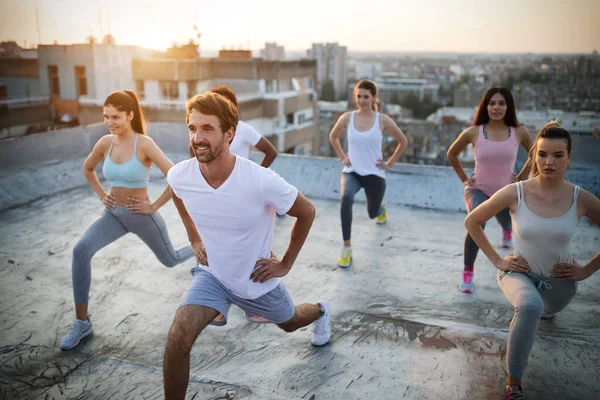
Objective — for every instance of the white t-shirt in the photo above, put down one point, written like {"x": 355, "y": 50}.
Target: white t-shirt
{"x": 236, "y": 220}
{"x": 245, "y": 135}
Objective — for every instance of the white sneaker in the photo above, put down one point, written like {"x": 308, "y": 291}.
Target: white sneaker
{"x": 321, "y": 332}
{"x": 78, "y": 331}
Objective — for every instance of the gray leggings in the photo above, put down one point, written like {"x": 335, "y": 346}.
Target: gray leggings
{"x": 113, "y": 224}
{"x": 530, "y": 295}
{"x": 473, "y": 199}
{"x": 374, "y": 190}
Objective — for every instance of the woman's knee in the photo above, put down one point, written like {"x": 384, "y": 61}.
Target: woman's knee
{"x": 82, "y": 251}
{"x": 531, "y": 306}
{"x": 168, "y": 261}
{"x": 347, "y": 199}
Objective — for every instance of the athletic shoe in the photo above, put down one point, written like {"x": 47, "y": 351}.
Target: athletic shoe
{"x": 321, "y": 332}
{"x": 346, "y": 258}
{"x": 467, "y": 282}
{"x": 78, "y": 331}
{"x": 507, "y": 239}
{"x": 382, "y": 217}
{"x": 514, "y": 392}
{"x": 547, "y": 315}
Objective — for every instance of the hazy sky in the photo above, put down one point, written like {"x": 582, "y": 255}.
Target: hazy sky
{"x": 554, "y": 26}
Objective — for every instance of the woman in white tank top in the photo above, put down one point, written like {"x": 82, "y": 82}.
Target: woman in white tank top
{"x": 363, "y": 165}
{"x": 540, "y": 278}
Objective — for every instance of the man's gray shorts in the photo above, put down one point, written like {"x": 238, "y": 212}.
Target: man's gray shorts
{"x": 274, "y": 307}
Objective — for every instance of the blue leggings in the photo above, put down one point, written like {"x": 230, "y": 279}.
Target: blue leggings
{"x": 473, "y": 198}
{"x": 374, "y": 190}
{"x": 113, "y": 224}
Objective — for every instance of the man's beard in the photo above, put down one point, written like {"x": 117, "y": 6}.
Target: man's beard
{"x": 210, "y": 154}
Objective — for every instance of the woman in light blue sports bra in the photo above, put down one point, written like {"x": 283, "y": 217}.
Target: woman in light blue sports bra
{"x": 540, "y": 277}
{"x": 128, "y": 155}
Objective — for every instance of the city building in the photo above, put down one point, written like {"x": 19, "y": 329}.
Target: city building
{"x": 92, "y": 70}
{"x": 331, "y": 67}
{"x": 22, "y": 106}
{"x": 370, "y": 71}
{"x": 276, "y": 97}
{"x": 272, "y": 52}
{"x": 578, "y": 123}
{"x": 393, "y": 89}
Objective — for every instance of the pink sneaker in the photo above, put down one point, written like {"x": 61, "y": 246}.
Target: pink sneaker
{"x": 467, "y": 282}
{"x": 507, "y": 239}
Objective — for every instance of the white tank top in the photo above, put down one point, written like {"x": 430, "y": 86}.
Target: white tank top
{"x": 543, "y": 241}
{"x": 364, "y": 149}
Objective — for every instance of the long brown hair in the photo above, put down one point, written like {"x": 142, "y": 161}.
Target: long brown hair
{"x": 371, "y": 87}
{"x": 482, "y": 117}
{"x": 552, "y": 130}
{"x": 128, "y": 101}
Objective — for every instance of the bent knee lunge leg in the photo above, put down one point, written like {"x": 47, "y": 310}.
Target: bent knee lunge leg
{"x": 152, "y": 229}
{"x": 374, "y": 191}
{"x": 189, "y": 321}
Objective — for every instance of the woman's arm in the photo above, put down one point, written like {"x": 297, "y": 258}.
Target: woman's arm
{"x": 588, "y": 205}
{"x": 463, "y": 140}
{"x": 525, "y": 140}
{"x": 504, "y": 198}
{"x": 334, "y": 138}
{"x": 89, "y": 167}
{"x": 390, "y": 126}
{"x": 153, "y": 153}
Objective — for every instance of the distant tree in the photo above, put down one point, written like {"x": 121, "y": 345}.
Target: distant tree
{"x": 547, "y": 60}
{"x": 509, "y": 81}
{"x": 328, "y": 91}
{"x": 395, "y": 98}
{"x": 421, "y": 109}
{"x": 466, "y": 78}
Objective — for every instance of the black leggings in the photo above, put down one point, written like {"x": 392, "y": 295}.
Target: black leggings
{"x": 374, "y": 190}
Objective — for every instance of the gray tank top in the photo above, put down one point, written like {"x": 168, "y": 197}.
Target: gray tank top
{"x": 543, "y": 241}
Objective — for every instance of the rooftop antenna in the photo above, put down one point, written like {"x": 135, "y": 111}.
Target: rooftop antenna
{"x": 37, "y": 21}
{"x": 198, "y": 33}
{"x": 100, "y": 22}
{"x": 109, "y": 29}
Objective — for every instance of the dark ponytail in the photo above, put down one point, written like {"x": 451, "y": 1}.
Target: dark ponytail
{"x": 128, "y": 101}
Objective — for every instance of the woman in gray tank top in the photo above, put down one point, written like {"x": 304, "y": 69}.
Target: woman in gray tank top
{"x": 540, "y": 277}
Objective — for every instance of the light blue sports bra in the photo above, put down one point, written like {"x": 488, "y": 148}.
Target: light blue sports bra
{"x": 131, "y": 174}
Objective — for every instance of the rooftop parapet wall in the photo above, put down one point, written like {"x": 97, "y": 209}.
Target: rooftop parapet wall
{"x": 36, "y": 166}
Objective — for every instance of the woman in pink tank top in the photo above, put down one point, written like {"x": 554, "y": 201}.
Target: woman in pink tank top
{"x": 540, "y": 278}
{"x": 495, "y": 135}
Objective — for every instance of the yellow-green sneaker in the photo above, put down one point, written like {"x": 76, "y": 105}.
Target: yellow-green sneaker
{"x": 346, "y": 258}
{"x": 382, "y": 217}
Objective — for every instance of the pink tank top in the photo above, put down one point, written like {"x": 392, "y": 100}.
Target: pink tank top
{"x": 494, "y": 162}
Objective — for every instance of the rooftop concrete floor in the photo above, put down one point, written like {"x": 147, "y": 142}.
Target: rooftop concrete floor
{"x": 401, "y": 328}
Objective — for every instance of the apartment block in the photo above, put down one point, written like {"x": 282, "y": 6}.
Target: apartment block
{"x": 331, "y": 66}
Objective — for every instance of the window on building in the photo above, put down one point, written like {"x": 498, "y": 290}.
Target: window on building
{"x": 81, "y": 80}
{"x": 169, "y": 90}
{"x": 53, "y": 80}
{"x": 139, "y": 88}
{"x": 191, "y": 89}
{"x": 289, "y": 119}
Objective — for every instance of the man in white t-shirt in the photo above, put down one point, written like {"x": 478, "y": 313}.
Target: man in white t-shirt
{"x": 228, "y": 204}
{"x": 245, "y": 134}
